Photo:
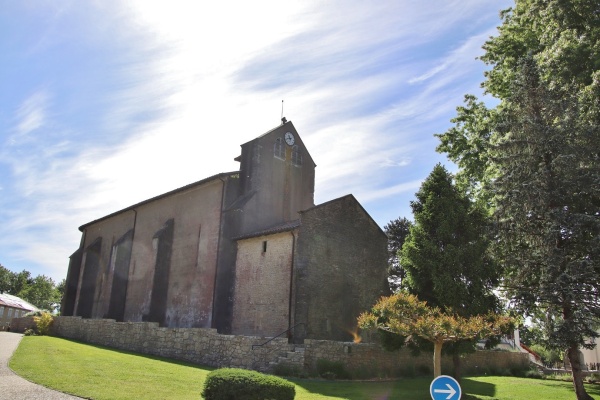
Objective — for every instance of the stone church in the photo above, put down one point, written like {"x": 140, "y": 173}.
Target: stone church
{"x": 245, "y": 252}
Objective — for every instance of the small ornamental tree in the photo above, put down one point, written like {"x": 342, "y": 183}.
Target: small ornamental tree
{"x": 43, "y": 323}
{"x": 405, "y": 315}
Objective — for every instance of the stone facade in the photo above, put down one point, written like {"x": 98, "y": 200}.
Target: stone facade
{"x": 21, "y": 324}
{"x": 340, "y": 251}
{"x": 244, "y": 252}
{"x": 262, "y": 284}
{"x": 207, "y": 347}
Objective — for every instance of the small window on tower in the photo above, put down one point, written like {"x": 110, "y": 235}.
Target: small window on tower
{"x": 264, "y": 247}
{"x": 279, "y": 149}
{"x": 296, "y": 156}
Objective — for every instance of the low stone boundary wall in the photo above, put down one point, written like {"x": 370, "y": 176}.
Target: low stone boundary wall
{"x": 207, "y": 347}
{"x": 198, "y": 346}
{"x": 369, "y": 360}
{"x": 22, "y": 324}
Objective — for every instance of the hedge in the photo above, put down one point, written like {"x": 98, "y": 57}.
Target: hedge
{"x": 241, "y": 384}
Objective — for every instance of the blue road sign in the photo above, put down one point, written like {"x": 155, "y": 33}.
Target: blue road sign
{"x": 445, "y": 387}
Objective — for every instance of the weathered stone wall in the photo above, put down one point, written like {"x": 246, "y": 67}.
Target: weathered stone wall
{"x": 370, "y": 360}
{"x": 207, "y": 347}
{"x": 261, "y": 303}
{"x": 340, "y": 269}
{"x": 134, "y": 239}
{"x": 22, "y": 324}
{"x": 195, "y": 345}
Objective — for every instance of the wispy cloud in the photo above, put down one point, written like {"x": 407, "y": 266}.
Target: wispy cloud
{"x": 31, "y": 114}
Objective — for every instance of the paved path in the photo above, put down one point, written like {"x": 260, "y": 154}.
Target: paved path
{"x": 12, "y": 386}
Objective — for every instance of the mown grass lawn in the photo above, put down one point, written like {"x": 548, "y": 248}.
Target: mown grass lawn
{"x": 100, "y": 373}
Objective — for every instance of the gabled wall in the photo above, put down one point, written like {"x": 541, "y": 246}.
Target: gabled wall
{"x": 340, "y": 269}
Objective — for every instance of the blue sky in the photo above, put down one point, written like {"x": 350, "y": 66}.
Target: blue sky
{"x": 106, "y": 103}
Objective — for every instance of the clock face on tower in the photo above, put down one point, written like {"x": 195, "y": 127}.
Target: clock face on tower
{"x": 289, "y": 138}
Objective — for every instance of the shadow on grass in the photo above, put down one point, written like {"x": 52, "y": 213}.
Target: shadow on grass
{"x": 406, "y": 389}
{"x": 142, "y": 355}
{"x": 473, "y": 387}
{"x": 593, "y": 389}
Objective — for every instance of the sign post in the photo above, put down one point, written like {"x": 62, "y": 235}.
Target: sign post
{"x": 445, "y": 387}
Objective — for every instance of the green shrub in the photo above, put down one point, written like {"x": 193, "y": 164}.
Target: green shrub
{"x": 241, "y": 384}
{"x": 43, "y": 323}
{"x": 29, "y": 332}
{"x": 408, "y": 371}
{"x": 424, "y": 370}
{"x": 332, "y": 370}
{"x": 289, "y": 370}
{"x": 37, "y": 313}
{"x": 593, "y": 378}
{"x": 534, "y": 374}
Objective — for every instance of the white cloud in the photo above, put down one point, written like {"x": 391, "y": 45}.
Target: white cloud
{"x": 401, "y": 188}
{"x": 31, "y": 114}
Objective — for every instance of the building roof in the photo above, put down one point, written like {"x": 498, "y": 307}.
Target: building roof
{"x": 9, "y": 300}
{"x": 181, "y": 189}
{"x": 271, "y": 130}
{"x": 288, "y": 226}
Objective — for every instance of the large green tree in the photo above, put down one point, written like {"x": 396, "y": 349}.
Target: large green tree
{"x": 40, "y": 291}
{"x": 396, "y": 231}
{"x": 547, "y": 197}
{"x": 5, "y": 277}
{"x": 563, "y": 39}
{"x": 534, "y": 160}
{"x": 445, "y": 255}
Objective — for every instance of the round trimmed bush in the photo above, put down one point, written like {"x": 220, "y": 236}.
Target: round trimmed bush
{"x": 241, "y": 384}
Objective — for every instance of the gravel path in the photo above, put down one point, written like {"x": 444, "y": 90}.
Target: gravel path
{"x": 14, "y": 387}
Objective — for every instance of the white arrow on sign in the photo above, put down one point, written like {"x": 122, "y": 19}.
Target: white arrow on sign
{"x": 451, "y": 392}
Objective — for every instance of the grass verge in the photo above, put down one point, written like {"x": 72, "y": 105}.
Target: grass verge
{"x": 99, "y": 373}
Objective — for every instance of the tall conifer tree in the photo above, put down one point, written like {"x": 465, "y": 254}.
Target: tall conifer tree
{"x": 548, "y": 212}
{"x": 445, "y": 254}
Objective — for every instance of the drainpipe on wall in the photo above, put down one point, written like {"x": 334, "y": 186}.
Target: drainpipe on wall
{"x": 131, "y": 270}
{"x": 82, "y": 262}
{"x": 290, "y": 304}
{"x": 212, "y": 317}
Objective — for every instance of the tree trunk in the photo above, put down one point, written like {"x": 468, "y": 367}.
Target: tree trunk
{"x": 437, "y": 358}
{"x": 457, "y": 366}
{"x": 573, "y": 353}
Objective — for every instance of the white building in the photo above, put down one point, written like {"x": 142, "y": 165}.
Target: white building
{"x": 12, "y": 307}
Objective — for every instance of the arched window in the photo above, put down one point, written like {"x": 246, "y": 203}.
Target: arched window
{"x": 296, "y": 156}
{"x": 279, "y": 149}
